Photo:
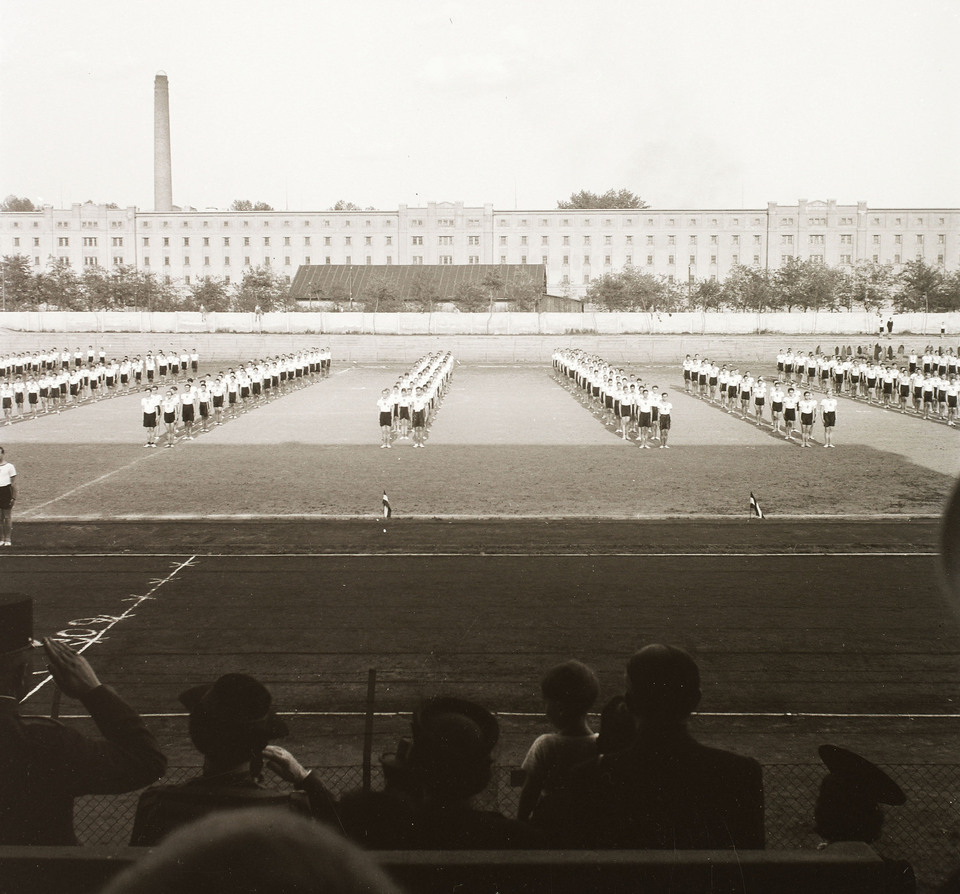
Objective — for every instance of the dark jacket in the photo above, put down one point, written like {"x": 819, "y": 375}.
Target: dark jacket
{"x": 44, "y": 765}
{"x": 163, "y": 808}
{"x": 664, "y": 792}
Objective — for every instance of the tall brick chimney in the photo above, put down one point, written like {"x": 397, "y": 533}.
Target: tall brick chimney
{"x": 162, "y": 169}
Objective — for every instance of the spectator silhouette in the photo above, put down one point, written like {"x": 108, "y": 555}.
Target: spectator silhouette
{"x": 569, "y": 691}
{"x": 618, "y": 726}
{"x": 848, "y": 807}
{"x": 448, "y": 763}
{"x": 254, "y": 852}
{"x": 666, "y": 790}
{"x": 231, "y": 722}
{"x": 44, "y": 765}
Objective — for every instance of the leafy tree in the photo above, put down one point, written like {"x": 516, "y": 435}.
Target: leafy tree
{"x": 247, "y": 205}
{"x": 627, "y": 290}
{"x": 19, "y": 286}
{"x": 523, "y": 294}
{"x": 156, "y": 294}
{"x": 262, "y": 288}
{"x": 59, "y": 286}
{"x": 612, "y": 198}
{"x": 471, "y": 297}
{"x": 868, "y": 285}
{"x": 210, "y": 293}
{"x": 707, "y": 295}
{"x": 950, "y": 292}
{"x": 95, "y": 291}
{"x": 423, "y": 295}
{"x": 344, "y": 205}
{"x": 748, "y": 289}
{"x": 919, "y": 287}
{"x": 379, "y": 295}
{"x": 15, "y": 203}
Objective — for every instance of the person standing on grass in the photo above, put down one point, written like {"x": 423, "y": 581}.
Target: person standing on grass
{"x": 828, "y": 413}
{"x": 665, "y": 410}
{"x": 789, "y": 413}
{"x": 171, "y": 407}
{"x": 385, "y": 406}
{"x": 203, "y": 403}
{"x": 759, "y": 399}
{"x": 187, "y": 400}
{"x": 419, "y": 418}
{"x": 776, "y": 405}
{"x": 808, "y": 413}
{"x": 148, "y": 404}
{"x": 8, "y": 496}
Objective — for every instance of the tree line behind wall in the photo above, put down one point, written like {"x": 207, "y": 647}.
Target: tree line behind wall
{"x": 797, "y": 285}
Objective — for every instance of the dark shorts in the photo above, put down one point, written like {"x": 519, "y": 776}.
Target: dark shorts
{"x": 888, "y": 387}
{"x": 163, "y": 370}
{"x": 257, "y": 387}
{"x": 149, "y": 420}
{"x": 951, "y": 400}
{"x": 7, "y": 403}
{"x": 33, "y": 397}
{"x": 204, "y": 410}
{"x": 806, "y": 418}
{"x": 776, "y": 407}
{"x": 245, "y": 391}
{"x": 186, "y": 412}
{"x": 664, "y": 423}
{"x": 149, "y": 375}
{"x": 759, "y": 401}
{"x": 124, "y": 378}
{"x": 6, "y": 497}
{"x": 386, "y": 418}
{"x": 644, "y": 420}
{"x": 404, "y": 412}
{"x": 194, "y": 365}
{"x": 686, "y": 375}
{"x": 789, "y": 415}
{"x": 419, "y": 418}
{"x": 232, "y": 397}
{"x": 625, "y": 410}
{"x": 830, "y": 419}
{"x": 169, "y": 417}
{"x": 217, "y": 401}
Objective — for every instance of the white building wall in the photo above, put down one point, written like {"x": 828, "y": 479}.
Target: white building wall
{"x": 578, "y": 245}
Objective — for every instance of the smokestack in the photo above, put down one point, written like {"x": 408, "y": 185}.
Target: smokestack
{"x": 162, "y": 169}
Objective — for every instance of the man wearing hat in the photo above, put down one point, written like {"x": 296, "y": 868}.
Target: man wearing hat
{"x": 44, "y": 764}
{"x": 848, "y": 807}
{"x": 666, "y": 790}
{"x": 231, "y": 723}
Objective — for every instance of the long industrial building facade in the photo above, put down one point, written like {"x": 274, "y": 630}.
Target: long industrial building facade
{"x": 575, "y": 246}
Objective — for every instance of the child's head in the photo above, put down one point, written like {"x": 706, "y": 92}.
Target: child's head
{"x": 569, "y": 689}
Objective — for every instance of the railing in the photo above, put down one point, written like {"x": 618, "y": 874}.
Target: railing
{"x": 925, "y": 831}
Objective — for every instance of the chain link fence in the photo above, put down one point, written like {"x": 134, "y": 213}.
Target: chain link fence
{"x": 925, "y": 831}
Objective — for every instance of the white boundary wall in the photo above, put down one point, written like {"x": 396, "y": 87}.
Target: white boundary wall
{"x": 799, "y": 323}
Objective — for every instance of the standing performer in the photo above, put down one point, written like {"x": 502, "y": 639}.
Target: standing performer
{"x": 828, "y": 413}
{"x": 385, "y": 406}
{"x": 8, "y": 496}
{"x": 148, "y": 404}
{"x": 808, "y": 412}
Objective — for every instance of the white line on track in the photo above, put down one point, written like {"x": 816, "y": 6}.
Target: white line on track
{"x": 539, "y": 715}
{"x": 486, "y": 555}
{"x": 553, "y": 519}
{"x": 137, "y": 601}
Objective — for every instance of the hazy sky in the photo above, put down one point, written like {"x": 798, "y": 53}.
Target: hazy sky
{"x": 689, "y": 104}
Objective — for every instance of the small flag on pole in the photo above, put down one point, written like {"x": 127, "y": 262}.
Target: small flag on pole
{"x": 387, "y": 512}
{"x": 754, "y": 506}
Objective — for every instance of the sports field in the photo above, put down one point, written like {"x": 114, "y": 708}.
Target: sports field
{"x": 527, "y": 532}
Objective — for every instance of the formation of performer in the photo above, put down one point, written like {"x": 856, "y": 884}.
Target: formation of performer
{"x": 636, "y": 411}
{"x": 210, "y": 401}
{"x": 40, "y": 382}
{"x": 407, "y": 409}
{"x": 927, "y": 385}
{"x": 747, "y": 396}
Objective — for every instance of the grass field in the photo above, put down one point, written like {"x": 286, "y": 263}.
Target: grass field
{"x": 526, "y": 532}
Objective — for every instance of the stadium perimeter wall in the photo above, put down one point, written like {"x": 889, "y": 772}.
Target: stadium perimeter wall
{"x": 798, "y": 323}
{"x": 34, "y": 331}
